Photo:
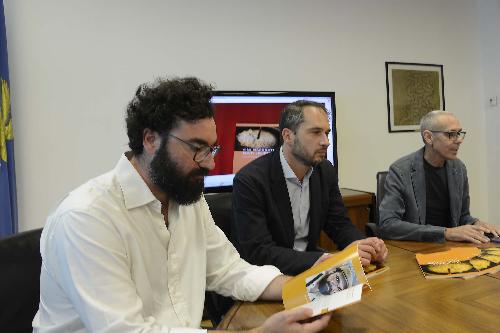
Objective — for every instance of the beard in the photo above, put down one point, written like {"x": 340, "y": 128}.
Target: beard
{"x": 183, "y": 188}
{"x": 300, "y": 154}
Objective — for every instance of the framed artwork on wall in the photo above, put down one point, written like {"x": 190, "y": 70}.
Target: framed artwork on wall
{"x": 412, "y": 91}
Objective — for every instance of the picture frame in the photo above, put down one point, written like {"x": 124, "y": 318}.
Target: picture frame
{"x": 413, "y": 90}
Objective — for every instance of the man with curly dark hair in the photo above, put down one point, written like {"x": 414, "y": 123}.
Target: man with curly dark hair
{"x": 136, "y": 248}
{"x": 160, "y": 108}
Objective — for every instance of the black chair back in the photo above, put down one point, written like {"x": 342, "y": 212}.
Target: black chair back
{"x": 20, "y": 265}
{"x": 371, "y": 228}
{"x": 221, "y": 206}
{"x": 380, "y": 192}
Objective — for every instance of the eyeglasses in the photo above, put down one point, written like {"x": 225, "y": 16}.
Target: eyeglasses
{"x": 453, "y": 135}
{"x": 200, "y": 153}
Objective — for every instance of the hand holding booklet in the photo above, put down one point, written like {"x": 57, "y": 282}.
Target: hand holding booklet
{"x": 329, "y": 285}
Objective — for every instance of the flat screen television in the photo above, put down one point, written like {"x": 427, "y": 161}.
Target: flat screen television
{"x": 247, "y": 127}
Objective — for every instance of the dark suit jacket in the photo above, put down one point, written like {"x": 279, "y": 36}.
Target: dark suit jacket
{"x": 263, "y": 228}
{"x": 403, "y": 208}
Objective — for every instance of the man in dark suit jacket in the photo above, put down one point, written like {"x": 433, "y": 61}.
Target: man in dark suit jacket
{"x": 427, "y": 192}
{"x": 282, "y": 201}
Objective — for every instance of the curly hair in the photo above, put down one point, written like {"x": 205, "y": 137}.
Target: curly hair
{"x": 161, "y": 105}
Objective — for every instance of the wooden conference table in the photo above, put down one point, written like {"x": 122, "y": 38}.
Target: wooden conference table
{"x": 402, "y": 300}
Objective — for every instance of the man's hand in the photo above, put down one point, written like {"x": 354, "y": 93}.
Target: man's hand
{"x": 295, "y": 320}
{"x": 380, "y": 249}
{"x": 473, "y": 233}
{"x": 493, "y": 229}
{"x": 371, "y": 249}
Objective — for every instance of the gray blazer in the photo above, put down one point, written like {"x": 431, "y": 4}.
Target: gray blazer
{"x": 402, "y": 210}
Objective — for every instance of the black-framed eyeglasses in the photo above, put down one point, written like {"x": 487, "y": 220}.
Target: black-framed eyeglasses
{"x": 200, "y": 152}
{"x": 453, "y": 135}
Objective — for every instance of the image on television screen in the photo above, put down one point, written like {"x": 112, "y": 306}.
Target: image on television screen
{"x": 247, "y": 128}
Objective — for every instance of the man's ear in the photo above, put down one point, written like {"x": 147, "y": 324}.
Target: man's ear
{"x": 287, "y": 135}
{"x": 150, "y": 140}
{"x": 427, "y": 135}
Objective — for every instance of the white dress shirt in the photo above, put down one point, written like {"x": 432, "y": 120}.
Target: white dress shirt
{"x": 298, "y": 192}
{"x": 111, "y": 265}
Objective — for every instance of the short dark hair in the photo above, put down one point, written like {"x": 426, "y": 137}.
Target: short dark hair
{"x": 293, "y": 114}
{"x": 161, "y": 105}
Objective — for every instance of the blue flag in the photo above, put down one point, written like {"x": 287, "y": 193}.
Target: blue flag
{"x": 8, "y": 197}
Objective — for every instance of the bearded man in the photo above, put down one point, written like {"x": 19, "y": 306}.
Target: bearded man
{"x": 135, "y": 249}
{"x": 283, "y": 200}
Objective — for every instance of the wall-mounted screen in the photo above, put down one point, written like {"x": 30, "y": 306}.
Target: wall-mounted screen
{"x": 247, "y": 127}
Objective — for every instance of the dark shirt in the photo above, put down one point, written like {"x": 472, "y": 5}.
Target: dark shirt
{"x": 437, "y": 196}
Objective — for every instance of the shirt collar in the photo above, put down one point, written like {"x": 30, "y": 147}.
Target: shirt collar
{"x": 287, "y": 170}
{"x": 135, "y": 191}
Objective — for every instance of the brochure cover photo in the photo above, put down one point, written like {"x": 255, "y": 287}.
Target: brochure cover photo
{"x": 462, "y": 262}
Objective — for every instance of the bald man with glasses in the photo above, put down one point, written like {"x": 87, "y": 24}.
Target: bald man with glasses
{"x": 427, "y": 192}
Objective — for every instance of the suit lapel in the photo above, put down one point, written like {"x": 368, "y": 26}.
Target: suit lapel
{"x": 418, "y": 182}
{"x": 281, "y": 197}
{"x": 454, "y": 188}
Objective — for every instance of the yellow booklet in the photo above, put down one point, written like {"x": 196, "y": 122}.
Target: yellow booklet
{"x": 334, "y": 283}
{"x": 463, "y": 262}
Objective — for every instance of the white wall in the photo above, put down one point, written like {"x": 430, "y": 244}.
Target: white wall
{"x": 74, "y": 65}
{"x": 489, "y": 12}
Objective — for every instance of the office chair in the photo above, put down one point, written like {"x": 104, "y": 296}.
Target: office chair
{"x": 220, "y": 205}
{"x": 20, "y": 264}
{"x": 372, "y": 227}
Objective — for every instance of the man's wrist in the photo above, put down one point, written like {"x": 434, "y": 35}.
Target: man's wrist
{"x": 446, "y": 232}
